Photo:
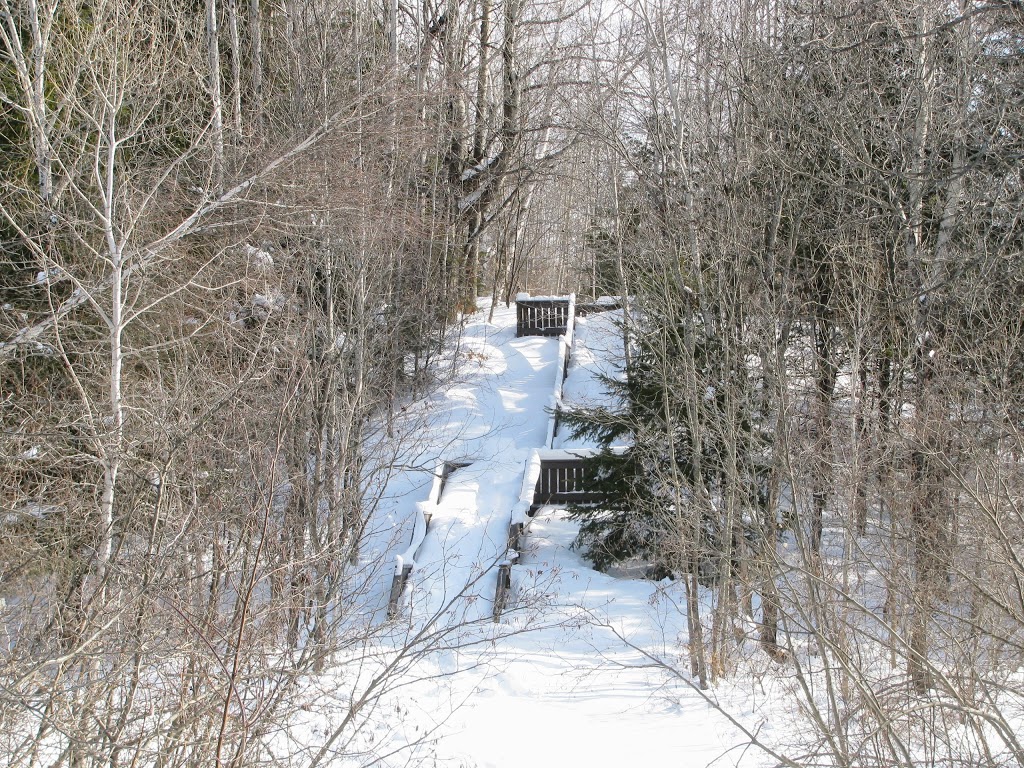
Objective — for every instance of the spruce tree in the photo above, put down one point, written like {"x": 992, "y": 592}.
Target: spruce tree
{"x": 633, "y": 518}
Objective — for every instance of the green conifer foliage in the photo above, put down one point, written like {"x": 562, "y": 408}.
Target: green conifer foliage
{"x": 641, "y": 484}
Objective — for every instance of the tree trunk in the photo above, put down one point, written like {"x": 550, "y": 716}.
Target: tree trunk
{"x": 698, "y": 662}
{"x": 30, "y": 71}
{"x": 482, "y": 83}
{"x": 113, "y": 445}
{"x": 391, "y": 16}
{"x": 40, "y": 28}
{"x": 256, "y": 58}
{"x": 825, "y": 380}
{"x": 216, "y": 108}
{"x": 236, "y": 68}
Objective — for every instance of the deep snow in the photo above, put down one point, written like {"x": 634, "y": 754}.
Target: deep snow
{"x": 575, "y": 672}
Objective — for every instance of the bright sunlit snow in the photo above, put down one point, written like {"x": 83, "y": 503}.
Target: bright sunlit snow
{"x": 575, "y": 673}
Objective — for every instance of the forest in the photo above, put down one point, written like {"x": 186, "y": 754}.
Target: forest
{"x": 238, "y": 237}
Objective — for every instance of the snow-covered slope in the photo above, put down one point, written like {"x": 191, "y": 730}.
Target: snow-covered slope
{"x": 576, "y": 672}
{"x": 490, "y": 421}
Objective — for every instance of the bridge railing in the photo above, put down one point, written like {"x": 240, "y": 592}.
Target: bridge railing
{"x": 424, "y": 510}
{"x": 564, "y": 356}
{"x": 564, "y": 481}
{"x": 603, "y": 304}
{"x": 542, "y": 315}
{"x": 552, "y": 476}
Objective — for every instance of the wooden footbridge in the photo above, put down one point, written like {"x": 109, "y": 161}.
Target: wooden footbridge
{"x": 552, "y": 477}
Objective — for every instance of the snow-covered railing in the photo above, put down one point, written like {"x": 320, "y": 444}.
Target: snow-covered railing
{"x": 524, "y": 509}
{"x": 518, "y": 521}
{"x": 602, "y": 304}
{"x": 423, "y": 510}
{"x": 447, "y": 468}
{"x": 531, "y": 475}
{"x": 564, "y": 353}
{"x": 544, "y": 460}
{"x": 566, "y": 340}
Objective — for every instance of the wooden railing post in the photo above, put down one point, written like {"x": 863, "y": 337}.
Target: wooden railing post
{"x": 397, "y": 588}
{"x": 501, "y": 589}
{"x": 515, "y": 534}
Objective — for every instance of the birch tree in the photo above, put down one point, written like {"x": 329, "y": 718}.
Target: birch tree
{"x": 191, "y": 496}
{"x": 29, "y": 55}
{"x": 216, "y": 102}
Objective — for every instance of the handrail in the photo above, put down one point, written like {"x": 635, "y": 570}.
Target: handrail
{"x": 405, "y": 562}
{"x": 564, "y": 353}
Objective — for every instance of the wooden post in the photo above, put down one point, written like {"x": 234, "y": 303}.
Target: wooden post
{"x": 515, "y": 534}
{"x": 502, "y": 588}
{"x": 397, "y": 588}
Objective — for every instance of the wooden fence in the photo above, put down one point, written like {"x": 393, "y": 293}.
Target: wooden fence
{"x": 542, "y": 317}
{"x": 564, "y": 481}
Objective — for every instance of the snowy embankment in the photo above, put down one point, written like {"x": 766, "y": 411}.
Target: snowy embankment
{"x": 597, "y": 355}
{"x": 569, "y": 677}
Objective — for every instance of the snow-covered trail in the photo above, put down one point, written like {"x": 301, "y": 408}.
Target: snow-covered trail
{"x": 567, "y": 678}
{"x": 490, "y": 420}
{"x": 579, "y": 691}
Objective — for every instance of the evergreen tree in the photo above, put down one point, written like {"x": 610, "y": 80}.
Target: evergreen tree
{"x": 639, "y": 484}
{"x": 624, "y": 524}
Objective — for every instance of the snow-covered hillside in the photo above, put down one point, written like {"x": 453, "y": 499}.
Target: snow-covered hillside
{"x": 583, "y": 669}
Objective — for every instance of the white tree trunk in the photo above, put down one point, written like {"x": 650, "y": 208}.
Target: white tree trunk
{"x": 256, "y": 64}
{"x": 43, "y": 152}
{"x": 111, "y": 452}
{"x": 391, "y": 8}
{"x": 236, "y": 68}
{"x": 216, "y": 107}
{"x": 30, "y": 71}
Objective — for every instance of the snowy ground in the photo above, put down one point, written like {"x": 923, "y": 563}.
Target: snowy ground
{"x": 584, "y": 669}
{"x": 578, "y": 693}
{"x": 569, "y": 676}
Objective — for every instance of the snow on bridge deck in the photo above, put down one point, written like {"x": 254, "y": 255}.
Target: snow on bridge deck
{"x": 490, "y": 420}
